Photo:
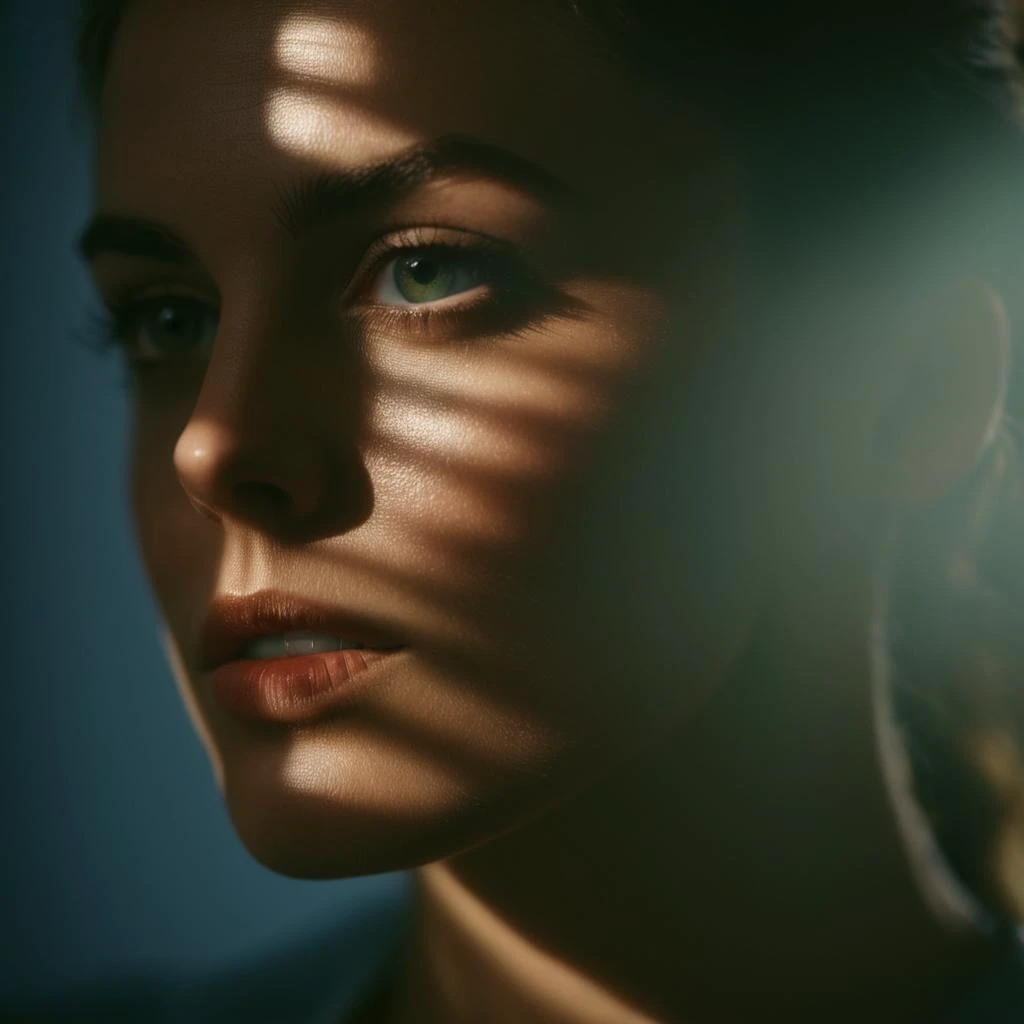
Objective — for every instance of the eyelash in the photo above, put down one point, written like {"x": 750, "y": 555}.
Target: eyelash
{"x": 507, "y": 276}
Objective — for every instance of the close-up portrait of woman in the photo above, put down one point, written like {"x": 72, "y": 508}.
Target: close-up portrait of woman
{"x": 576, "y": 455}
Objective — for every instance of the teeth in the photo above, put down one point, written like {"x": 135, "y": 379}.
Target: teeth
{"x": 290, "y": 645}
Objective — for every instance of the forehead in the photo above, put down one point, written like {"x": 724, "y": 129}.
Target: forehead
{"x": 211, "y": 101}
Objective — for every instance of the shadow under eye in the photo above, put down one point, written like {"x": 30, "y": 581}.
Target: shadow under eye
{"x": 507, "y": 308}
{"x": 462, "y": 291}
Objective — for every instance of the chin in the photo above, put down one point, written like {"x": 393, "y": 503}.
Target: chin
{"x": 308, "y": 812}
{"x": 303, "y": 841}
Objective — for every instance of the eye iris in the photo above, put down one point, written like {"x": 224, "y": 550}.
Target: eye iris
{"x": 427, "y": 278}
{"x": 172, "y": 327}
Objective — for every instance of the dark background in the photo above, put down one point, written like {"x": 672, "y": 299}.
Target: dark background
{"x": 115, "y": 854}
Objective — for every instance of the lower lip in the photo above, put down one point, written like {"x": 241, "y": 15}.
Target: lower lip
{"x": 300, "y": 688}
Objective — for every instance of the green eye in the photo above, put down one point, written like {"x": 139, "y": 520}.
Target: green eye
{"x": 161, "y": 328}
{"x": 427, "y": 276}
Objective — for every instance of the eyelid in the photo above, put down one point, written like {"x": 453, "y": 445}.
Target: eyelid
{"x": 122, "y": 296}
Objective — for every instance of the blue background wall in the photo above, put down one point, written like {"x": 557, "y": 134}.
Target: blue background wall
{"x": 116, "y": 854}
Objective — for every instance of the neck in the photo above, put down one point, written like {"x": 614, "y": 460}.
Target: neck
{"x": 753, "y": 861}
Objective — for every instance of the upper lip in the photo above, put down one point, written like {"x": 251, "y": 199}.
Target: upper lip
{"x": 233, "y": 621}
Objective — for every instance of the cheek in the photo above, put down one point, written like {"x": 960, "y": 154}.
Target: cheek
{"x": 518, "y": 496}
{"x": 474, "y": 456}
{"x": 466, "y": 483}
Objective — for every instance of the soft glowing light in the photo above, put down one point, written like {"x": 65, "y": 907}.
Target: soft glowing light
{"x": 326, "y": 50}
{"x": 320, "y": 110}
{"x": 317, "y": 128}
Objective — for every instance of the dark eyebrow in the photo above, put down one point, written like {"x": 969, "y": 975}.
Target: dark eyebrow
{"x": 331, "y": 195}
{"x": 134, "y": 236}
{"x": 328, "y": 196}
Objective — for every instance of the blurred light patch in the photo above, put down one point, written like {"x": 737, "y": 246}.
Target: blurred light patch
{"x": 326, "y": 50}
{"x": 326, "y": 66}
{"x": 311, "y": 126}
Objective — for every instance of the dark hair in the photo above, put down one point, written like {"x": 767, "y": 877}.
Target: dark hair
{"x": 898, "y": 88}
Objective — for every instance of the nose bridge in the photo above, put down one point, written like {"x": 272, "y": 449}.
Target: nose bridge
{"x": 256, "y": 448}
{"x": 222, "y": 437}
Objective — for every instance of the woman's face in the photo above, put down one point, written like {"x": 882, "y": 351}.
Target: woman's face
{"x": 389, "y": 271}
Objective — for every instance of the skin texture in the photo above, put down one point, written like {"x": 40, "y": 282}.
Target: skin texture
{"x": 573, "y": 731}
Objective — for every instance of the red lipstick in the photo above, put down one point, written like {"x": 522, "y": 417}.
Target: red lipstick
{"x": 241, "y": 634}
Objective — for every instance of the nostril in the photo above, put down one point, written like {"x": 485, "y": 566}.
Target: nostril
{"x": 258, "y": 498}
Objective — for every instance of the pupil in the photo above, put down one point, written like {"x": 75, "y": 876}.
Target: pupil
{"x": 173, "y": 327}
{"x": 422, "y": 271}
{"x": 169, "y": 320}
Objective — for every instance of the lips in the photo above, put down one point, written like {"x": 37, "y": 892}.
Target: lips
{"x": 292, "y": 688}
{"x": 235, "y": 621}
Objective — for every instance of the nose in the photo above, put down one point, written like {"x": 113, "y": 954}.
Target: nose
{"x": 260, "y": 449}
